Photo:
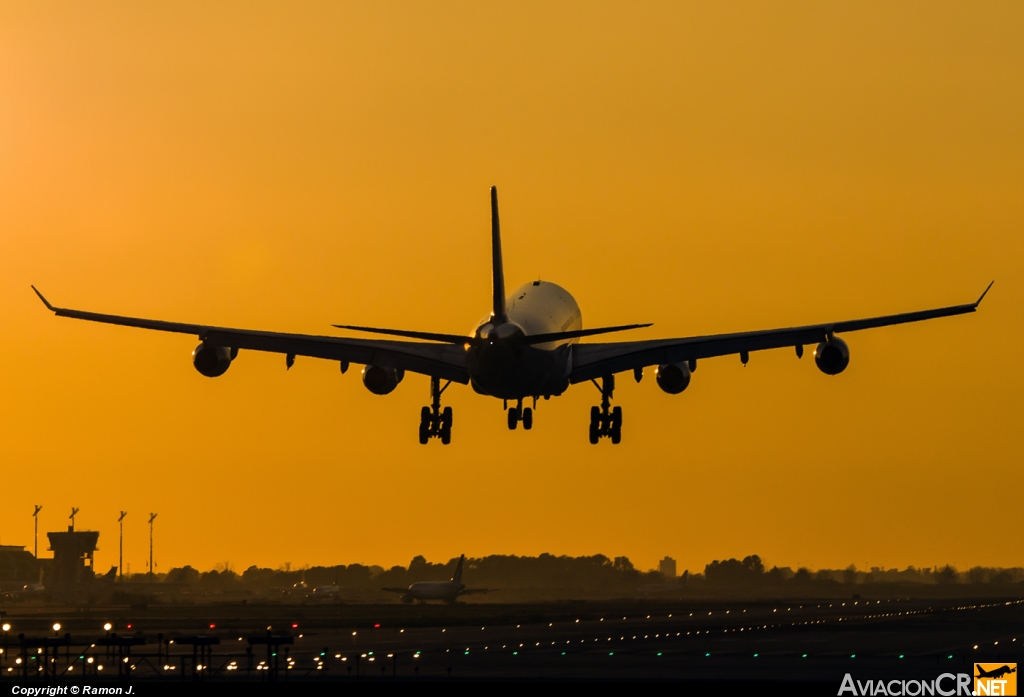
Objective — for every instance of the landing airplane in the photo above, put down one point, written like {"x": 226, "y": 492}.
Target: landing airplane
{"x": 447, "y": 591}
{"x": 527, "y": 347}
{"x": 996, "y": 673}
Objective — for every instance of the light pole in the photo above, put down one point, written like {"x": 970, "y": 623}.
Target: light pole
{"x": 120, "y": 546}
{"x": 74, "y": 512}
{"x": 152, "y": 517}
{"x": 35, "y": 518}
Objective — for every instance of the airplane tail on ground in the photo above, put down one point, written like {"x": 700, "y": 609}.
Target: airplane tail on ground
{"x": 457, "y": 578}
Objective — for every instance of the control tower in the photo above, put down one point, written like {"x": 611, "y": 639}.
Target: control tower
{"x": 72, "y": 556}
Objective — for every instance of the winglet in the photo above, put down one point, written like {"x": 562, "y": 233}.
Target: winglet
{"x": 975, "y": 304}
{"x": 46, "y": 302}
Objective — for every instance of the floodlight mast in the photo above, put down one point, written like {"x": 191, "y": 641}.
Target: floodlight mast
{"x": 35, "y": 518}
{"x": 152, "y": 517}
{"x": 120, "y": 545}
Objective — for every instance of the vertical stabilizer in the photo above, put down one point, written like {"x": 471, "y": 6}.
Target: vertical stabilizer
{"x": 497, "y": 269}
{"x": 457, "y": 578}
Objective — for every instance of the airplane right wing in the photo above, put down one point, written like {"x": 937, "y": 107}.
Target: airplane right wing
{"x": 445, "y": 361}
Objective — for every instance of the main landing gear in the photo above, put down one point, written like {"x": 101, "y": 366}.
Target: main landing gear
{"x": 435, "y": 423}
{"x": 605, "y": 421}
{"x": 520, "y": 414}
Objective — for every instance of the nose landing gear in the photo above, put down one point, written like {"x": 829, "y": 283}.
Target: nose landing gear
{"x": 522, "y": 414}
{"x": 604, "y": 420}
{"x": 435, "y": 422}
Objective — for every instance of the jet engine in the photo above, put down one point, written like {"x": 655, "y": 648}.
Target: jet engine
{"x": 832, "y": 357}
{"x": 212, "y": 361}
{"x": 381, "y": 380}
{"x": 673, "y": 377}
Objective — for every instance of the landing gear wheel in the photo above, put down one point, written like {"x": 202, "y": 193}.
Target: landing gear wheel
{"x": 527, "y": 418}
{"x": 616, "y": 425}
{"x": 435, "y": 423}
{"x": 425, "y": 419}
{"x": 513, "y": 418}
{"x": 605, "y": 420}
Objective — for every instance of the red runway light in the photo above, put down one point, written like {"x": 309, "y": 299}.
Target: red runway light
{"x": 295, "y": 625}
{"x": 212, "y": 625}
{"x": 377, "y": 626}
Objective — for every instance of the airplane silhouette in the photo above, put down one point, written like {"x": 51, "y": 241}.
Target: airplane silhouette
{"x": 995, "y": 673}
{"x": 526, "y": 348}
{"x": 446, "y": 591}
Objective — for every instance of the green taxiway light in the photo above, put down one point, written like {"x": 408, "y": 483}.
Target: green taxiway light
{"x": 706, "y": 655}
{"x": 901, "y": 655}
{"x": 515, "y": 653}
{"x": 804, "y": 656}
{"x": 611, "y": 653}
{"x": 659, "y": 653}
{"x": 853, "y": 655}
{"x": 563, "y": 653}
{"x": 756, "y": 655}
{"x": 949, "y": 656}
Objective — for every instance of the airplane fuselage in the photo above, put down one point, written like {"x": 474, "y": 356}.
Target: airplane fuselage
{"x": 447, "y": 591}
{"x": 507, "y": 368}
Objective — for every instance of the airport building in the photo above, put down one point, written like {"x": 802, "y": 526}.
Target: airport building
{"x": 72, "y": 557}
{"x": 17, "y": 566}
{"x": 667, "y": 567}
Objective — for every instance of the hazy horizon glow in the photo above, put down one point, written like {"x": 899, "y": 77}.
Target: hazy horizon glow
{"x": 705, "y": 167}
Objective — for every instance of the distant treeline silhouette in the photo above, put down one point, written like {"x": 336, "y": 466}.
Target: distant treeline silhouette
{"x": 596, "y": 573}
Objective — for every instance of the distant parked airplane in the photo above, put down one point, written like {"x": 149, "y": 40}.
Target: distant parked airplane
{"x": 526, "y": 348}
{"x": 447, "y": 591}
{"x": 321, "y": 592}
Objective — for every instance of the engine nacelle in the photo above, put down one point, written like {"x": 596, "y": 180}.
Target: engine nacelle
{"x": 212, "y": 361}
{"x": 832, "y": 357}
{"x": 673, "y": 377}
{"x": 381, "y": 380}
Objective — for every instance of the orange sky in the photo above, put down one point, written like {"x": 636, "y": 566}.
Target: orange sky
{"x": 707, "y": 167}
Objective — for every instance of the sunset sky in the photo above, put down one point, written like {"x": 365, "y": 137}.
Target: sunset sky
{"x": 708, "y": 167}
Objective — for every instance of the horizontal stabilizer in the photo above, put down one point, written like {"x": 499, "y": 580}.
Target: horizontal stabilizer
{"x": 577, "y": 333}
{"x": 426, "y": 336}
{"x": 457, "y": 339}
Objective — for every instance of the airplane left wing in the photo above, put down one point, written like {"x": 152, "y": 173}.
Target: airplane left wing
{"x": 445, "y": 361}
{"x": 592, "y": 361}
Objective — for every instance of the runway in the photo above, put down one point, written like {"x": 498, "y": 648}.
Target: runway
{"x": 815, "y": 641}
